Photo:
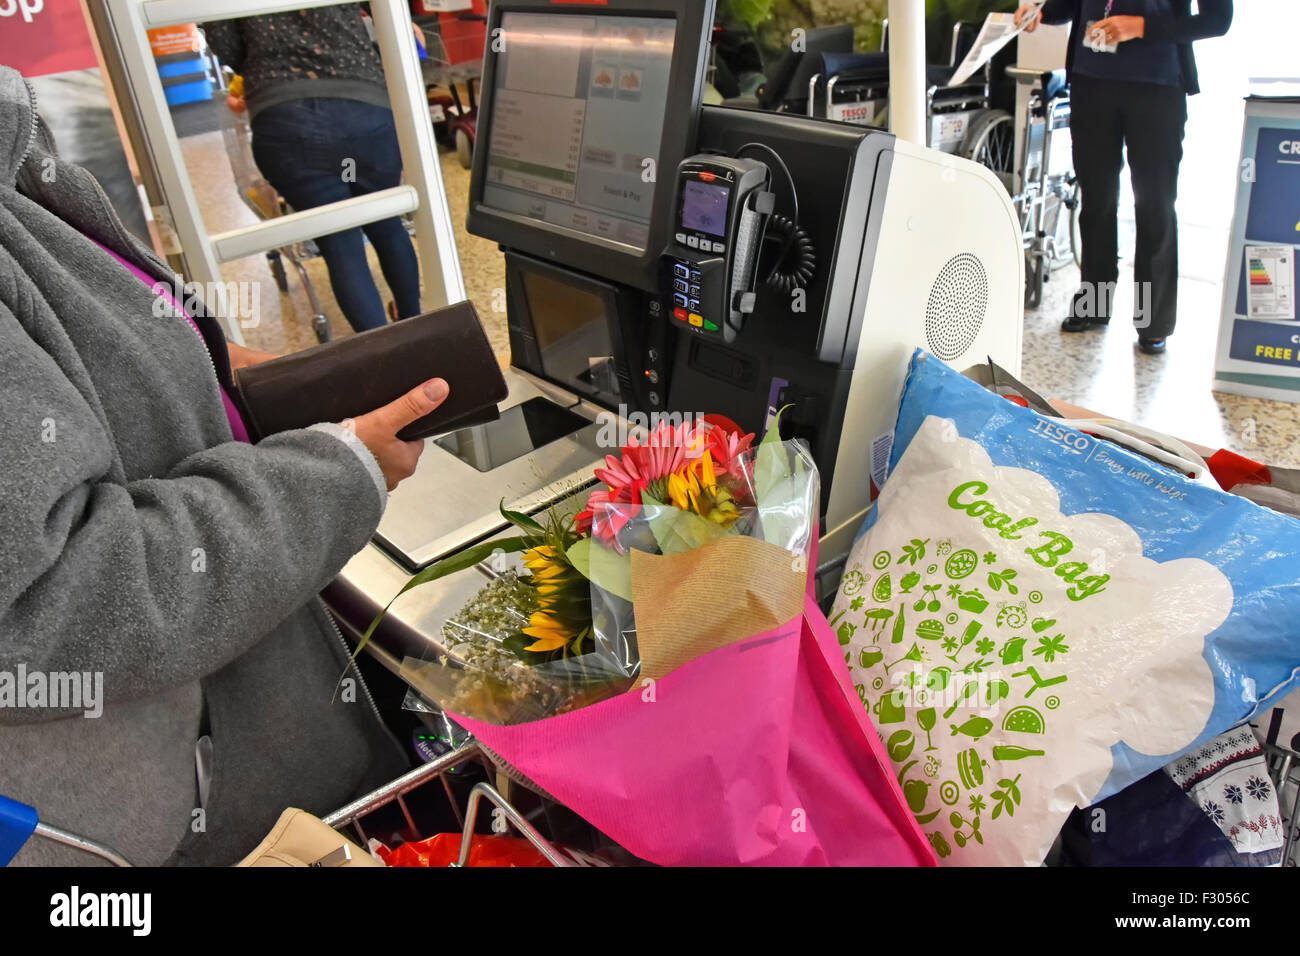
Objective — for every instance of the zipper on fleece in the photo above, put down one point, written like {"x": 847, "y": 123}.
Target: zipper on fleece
{"x": 361, "y": 681}
{"x": 31, "y": 131}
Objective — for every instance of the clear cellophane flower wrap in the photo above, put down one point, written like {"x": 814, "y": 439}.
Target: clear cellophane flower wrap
{"x": 483, "y": 669}
{"x": 723, "y": 555}
{"x": 695, "y": 539}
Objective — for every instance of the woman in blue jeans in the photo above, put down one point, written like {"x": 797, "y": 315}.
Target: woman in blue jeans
{"x": 323, "y": 132}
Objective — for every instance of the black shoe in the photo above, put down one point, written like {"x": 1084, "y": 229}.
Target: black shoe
{"x": 1077, "y": 322}
{"x": 1152, "y": 346}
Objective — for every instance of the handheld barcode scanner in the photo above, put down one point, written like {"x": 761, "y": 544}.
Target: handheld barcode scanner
{"x": 721, "y": 206}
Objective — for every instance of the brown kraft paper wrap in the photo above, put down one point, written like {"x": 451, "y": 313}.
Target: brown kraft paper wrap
{"x": 697, "y": 601}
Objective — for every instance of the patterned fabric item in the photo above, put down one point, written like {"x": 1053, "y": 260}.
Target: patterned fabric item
{"x": 1227, "y": 778}
{"x": 322, "y": 52}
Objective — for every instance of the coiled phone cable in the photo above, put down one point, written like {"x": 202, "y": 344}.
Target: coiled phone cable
{"x": 786, "y": 229}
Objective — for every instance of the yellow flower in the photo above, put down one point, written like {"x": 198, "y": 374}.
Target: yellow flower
{"x": 548, "y": 572}
{"x": 678, "y": 491}
{"x": 551, "y": 633}
{"x": 555, "y": 582}
{"x": 695, "y": 488}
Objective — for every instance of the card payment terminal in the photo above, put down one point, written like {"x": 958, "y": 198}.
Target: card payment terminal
{"x": 721, "y": 206}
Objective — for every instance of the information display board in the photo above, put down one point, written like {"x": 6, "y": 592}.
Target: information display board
{"x": 1259, "y": 332}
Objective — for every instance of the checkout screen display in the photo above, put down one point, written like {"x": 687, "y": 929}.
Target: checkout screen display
{"x": 577, "y": 108}
{"x": 704, "y": 207}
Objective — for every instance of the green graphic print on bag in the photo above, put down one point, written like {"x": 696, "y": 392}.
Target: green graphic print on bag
{"x": 1002, "y": 648}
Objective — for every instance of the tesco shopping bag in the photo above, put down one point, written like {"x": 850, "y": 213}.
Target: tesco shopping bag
{"x": 754, "y": 753}
{"x": 1037, "y": 618}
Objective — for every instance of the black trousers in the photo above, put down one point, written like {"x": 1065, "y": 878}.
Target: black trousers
{"x": 1107, "y": 116}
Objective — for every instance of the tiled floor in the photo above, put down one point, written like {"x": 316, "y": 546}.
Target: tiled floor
{"x": 1103, "y": 371}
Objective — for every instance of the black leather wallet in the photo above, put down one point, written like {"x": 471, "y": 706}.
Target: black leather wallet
{"x": 349, "y": 377}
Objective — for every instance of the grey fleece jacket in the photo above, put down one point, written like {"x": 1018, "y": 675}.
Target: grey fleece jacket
{"x": 138, "y": 540}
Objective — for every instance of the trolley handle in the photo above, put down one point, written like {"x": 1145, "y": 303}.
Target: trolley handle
{"x": 482, "y": 790}
{"x": 20, "y": 822}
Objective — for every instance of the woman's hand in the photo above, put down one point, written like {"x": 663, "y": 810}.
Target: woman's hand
{"x": 241, "y": 356}
{"x": 1028, "y": 10}
{"x": 378, "y": 429}
{"x": 1119, "y": 29}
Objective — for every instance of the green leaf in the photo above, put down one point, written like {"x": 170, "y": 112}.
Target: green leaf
{"x": 520, "y": 520}
{"x": 771, "y": 464}
{"x": 602, "y": 566}
{"x": 676, "y": 530}
{"x": 440, "y": 569}
{"x": 579, "y": 555}
{"x": 784, "y": 494}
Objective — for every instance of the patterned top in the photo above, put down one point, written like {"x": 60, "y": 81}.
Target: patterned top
{"x": 322, "y": 52}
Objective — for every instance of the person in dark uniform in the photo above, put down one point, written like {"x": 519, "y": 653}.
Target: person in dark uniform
{"x": 1131, "y": 69}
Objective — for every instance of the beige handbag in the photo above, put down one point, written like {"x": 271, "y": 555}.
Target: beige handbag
{"x": 300, "y": 839}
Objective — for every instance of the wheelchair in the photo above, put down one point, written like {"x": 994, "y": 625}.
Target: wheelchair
{"x": 974, "y": 120}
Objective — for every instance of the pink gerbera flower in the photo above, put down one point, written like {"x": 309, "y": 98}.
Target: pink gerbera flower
{"x": 640, "y": 467}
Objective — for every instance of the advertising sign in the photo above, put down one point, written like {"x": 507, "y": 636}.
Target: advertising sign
{"x": 1259, "y": 335}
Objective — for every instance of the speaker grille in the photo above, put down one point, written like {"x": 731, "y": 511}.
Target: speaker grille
{"x": 954, "y": 313}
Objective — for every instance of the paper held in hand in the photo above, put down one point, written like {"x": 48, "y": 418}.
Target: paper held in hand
{"x": 998, "y": 30}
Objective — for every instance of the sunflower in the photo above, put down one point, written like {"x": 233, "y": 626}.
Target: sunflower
{"x": 562, "y": 619}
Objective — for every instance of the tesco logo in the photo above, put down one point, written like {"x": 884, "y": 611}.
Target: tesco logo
{"x": 29, "y": 9}
{"x": 1290, "y": 146}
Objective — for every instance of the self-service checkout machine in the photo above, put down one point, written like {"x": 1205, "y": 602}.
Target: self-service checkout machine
{"x": 667, "y": 258}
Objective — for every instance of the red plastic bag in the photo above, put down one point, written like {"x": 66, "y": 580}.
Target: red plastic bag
{"x": 484, "y": 850}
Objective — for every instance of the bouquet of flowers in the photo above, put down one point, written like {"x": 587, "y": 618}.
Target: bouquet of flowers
{"x": 694, "y": 539}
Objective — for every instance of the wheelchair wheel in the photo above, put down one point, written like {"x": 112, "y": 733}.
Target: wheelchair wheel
{"x": 1058, "y": 224}
{"x": 1076, "y": 237}
{"x": 991, "y": 142}
{"x": 464, "y": 149}
{"x": 1035, "y": 274}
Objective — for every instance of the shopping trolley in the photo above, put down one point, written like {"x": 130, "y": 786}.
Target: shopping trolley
{"x": 1284, "y": 766}
{"x": 260, "y": 197}
{"x": 19, "y": 822}
{"x": 452, "y": 66}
